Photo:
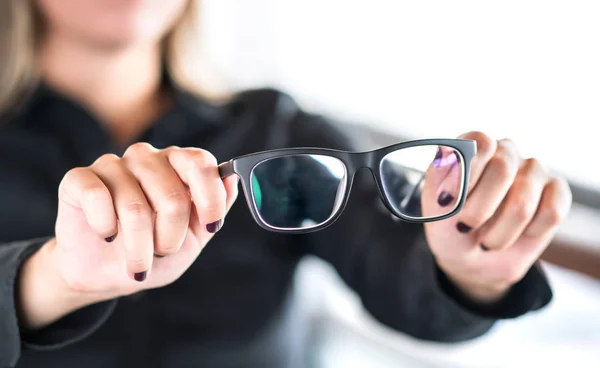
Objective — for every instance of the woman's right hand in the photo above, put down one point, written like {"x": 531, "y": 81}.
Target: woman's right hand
{"x": 138, "y": 222}
{"x": 124, "y": 225}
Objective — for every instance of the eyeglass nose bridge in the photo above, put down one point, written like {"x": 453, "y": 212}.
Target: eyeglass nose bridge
{"x": 363, "y": 160}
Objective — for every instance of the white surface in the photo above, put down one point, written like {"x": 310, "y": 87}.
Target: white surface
{"x": 566, "y": 333}
{"x": 524, "y": 69}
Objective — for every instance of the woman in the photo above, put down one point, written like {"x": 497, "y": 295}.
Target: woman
{"x": 101, "y": 236}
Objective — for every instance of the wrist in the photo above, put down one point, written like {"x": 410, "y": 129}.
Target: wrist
{"x": 476, "y": 290}
{"x": 42, "y": 294}
{"x": 482, "y": 294}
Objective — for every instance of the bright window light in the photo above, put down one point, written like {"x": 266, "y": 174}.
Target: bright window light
{"x": 527, "y": 70}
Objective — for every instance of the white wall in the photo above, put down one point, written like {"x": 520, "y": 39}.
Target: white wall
{"x": 528, "y": 70}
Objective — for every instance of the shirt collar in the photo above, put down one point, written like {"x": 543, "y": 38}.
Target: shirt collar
{"x": 184, "y": 101}
{"x": 48, "y": 112}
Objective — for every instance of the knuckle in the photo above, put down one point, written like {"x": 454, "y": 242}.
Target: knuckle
{"x": 176, "y": 205}
{"x": 557, "y": 203}
{"x": 71, "y": 177}
{"x": 532, "y": 166}
{"x": 485, "y": 144}
{"x": 506, "y": 142}
{"x": 106, "y": 158}
{"x": 139, "y": 149}
{"x": 76, "y": 172}
{"x": 95, "y": 193}
{"x": 561, "y": 186}
{"x": 506, "y": 145}
{"x": 501, "y": 167}
{"x": 552, "y": 216}
{"x": 503, "y": 151}
{"x": 521, "y": 209}
{"x": 521, "y": 204}
{"x": 508, "y": 148}
{"x": 137, "y": 212}
{"x": 202, "y": 159}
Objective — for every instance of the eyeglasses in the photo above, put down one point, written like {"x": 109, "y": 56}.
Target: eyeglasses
{"x": 300, "y": 190}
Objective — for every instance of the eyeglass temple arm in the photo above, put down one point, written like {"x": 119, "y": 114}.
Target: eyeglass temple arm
{"x": 413, "y": 190}
{"x": 226, "y": 169}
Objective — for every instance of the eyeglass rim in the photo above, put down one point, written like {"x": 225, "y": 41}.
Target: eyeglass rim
{"x": 370, "y": 159}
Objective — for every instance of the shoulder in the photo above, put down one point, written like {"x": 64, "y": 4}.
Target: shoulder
{"x": 288, "y": 122}
{"x": 265, "y": 103}
{"x": 260, "y": 107}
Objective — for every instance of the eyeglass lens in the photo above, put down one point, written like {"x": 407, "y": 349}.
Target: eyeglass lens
{"x": 298, "y": 191}
{"x": 305, "y": 190}
{"x": 423, "y": 181}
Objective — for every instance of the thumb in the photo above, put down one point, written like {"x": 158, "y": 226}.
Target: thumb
{"x": 231, "y": 188}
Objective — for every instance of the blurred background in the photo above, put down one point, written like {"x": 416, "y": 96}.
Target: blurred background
{"x": 393, "y": 70}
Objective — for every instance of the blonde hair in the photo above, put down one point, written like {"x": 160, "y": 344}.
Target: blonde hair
{"x": 19, "y": 37}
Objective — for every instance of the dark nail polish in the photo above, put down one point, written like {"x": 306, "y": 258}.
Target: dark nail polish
{"x": 158, "y": 256}
{"x": 214, "y": 226}
{"x": 463, "y": 228}
{"x": 438, "y": 158}
{"x": 140, "y": 276}
{"x": 445, "y": 199}
{"x": 110, "y": 239}
{"x": 484, "y": 248}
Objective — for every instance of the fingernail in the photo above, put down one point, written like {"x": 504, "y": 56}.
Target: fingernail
{"x": 140, "y": 276}
{"x": 463, "y": 228}
{"x": 158, "y": 256}
{"x": 484, "y": 248}
{"x": 445, "y": 199}
{"x": 438, "y": 158}
{"x": 110, "y": 239}
{"x": 214, "y": 226}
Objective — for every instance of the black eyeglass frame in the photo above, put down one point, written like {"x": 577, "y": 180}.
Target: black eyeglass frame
{"x": 353, "y": 161}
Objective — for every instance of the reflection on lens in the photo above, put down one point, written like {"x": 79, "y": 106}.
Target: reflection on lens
{"x": 423, "y": 181}
{"x": 298, "y": 191}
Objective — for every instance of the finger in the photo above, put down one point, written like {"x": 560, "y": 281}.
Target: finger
{"x": 486, "y": 148}
{"x": 231, "y": 188}
{"x": 450, "y": 173}
{"x": 198, "y": 169}
{"x": 442, "y": 183}
{"x": 494, "y": 183}
{"x": 81, "y": 188}
{"x": 553, "y": 209}
{"x": 165, "y": 193}
{"x": 135, "y": 217}
{"x": 517, "y": 209}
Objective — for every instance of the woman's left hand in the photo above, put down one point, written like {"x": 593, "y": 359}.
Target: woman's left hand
{"x": 512, "y": 212}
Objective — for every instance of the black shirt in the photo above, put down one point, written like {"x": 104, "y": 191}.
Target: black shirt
{"x": 234, "y": 307}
